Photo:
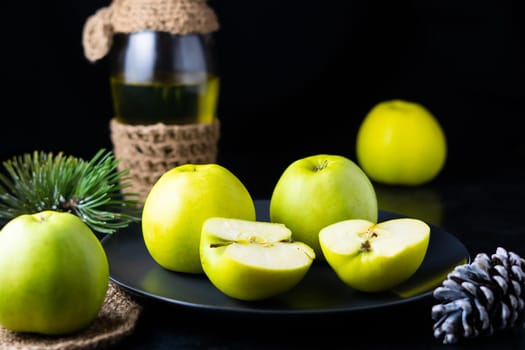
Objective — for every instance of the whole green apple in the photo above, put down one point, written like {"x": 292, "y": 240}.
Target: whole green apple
{"x": 319, "y": 190}
{"x": 374, "y": 257}
{"x": 252, "y": 260}
{"x": 178, "y": 204}
{"x": 54, "y": 274}
{"x": 401, "y": 143}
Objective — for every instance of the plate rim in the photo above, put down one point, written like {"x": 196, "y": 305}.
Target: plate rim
{"x": 246, "y": 309}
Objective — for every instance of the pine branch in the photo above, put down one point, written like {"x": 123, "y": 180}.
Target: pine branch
{"x": 91, "y": 190}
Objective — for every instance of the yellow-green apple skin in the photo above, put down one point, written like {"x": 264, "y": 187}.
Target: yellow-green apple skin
{"x": 178, "y": 204}
{"x": 252, "y": 260}
{"x": 375, "y": 257}
{"x": 319, "y": 190}
{"x": 401, "y": 143}
{"x": 54, "y": 274}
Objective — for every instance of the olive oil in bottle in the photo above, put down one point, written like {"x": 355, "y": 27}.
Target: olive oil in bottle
{"x": 180, "y": 101}
{"x": 162, "y": 77}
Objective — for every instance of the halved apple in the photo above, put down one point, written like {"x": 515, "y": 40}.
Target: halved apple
{"x": 374, "y": 257}
{"x": 252, "y": 260}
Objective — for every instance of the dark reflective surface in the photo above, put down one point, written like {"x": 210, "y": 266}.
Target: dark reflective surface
{"x": 481, "y": 216}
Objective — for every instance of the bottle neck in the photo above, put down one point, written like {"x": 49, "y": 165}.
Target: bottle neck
{"x": 149, "y": 56}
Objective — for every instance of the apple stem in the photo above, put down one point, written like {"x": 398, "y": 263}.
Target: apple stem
{"x": 321, "y": 166}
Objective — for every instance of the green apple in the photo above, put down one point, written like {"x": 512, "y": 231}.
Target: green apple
{"x": 252, "y": 260}
{"x": 401, "y": 143}
{"x": 319, "y": 190}
{"x": 178, "y": 204}
{"x": 54, "y": 274}
{"x": 374, "y": 257}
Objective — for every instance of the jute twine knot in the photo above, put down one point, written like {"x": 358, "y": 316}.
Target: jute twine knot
{"x": 149, "y": 150}
{"x": 128, "y": 16}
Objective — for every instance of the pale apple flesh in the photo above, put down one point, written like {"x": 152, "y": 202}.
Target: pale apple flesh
{"x": 374, "y": 257}
{"x": 252, "y": 260}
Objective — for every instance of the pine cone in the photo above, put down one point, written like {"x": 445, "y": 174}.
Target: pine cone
{"x": 479, "y": 298}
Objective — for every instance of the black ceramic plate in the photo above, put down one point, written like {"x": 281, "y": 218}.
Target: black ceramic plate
{"x": 320, "y": 291}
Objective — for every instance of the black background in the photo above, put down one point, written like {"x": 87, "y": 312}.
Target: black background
{"x": 297, "y": 78}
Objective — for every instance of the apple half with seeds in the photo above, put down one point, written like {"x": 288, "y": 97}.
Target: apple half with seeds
{"x": 375, "y": 257}
{"x": 252, "y": 260}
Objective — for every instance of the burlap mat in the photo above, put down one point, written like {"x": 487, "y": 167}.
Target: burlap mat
{"x": 116, "y": 320}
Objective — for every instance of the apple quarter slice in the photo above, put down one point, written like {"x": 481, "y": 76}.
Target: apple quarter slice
{"x": 375, "y": 257}
{"x": 252, "y": 260}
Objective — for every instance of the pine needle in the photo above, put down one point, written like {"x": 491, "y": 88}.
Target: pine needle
{"x": 91, "y": 190}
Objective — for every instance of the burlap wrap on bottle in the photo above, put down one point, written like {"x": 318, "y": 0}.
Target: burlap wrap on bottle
{"x": 128, "y": 16}
{"x": 149, "y": 150}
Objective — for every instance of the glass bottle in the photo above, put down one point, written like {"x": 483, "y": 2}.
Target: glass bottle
{"x": 160, "y": 77}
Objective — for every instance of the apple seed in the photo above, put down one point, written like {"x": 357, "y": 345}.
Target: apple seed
{"x": 218, "y": 245}
{"x": 250, "y": 240}
{"x": 368, "y": 235}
